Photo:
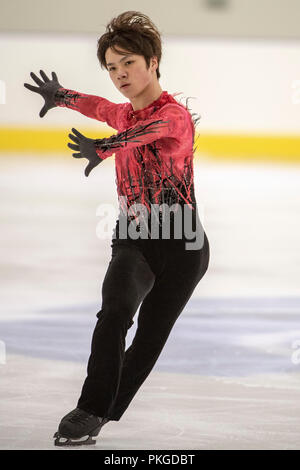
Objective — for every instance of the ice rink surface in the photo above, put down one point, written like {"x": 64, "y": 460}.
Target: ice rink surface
{"x": 229, "y": 375}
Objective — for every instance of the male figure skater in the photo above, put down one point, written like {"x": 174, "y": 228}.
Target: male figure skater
{"x": 154, "y": 169}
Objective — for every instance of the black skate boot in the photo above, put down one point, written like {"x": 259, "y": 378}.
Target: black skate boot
{"x": 77, "y": 428}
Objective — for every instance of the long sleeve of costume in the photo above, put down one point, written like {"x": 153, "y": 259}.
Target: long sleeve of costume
{"x": 92, "y": 106}
{"x": 170, "y": 123}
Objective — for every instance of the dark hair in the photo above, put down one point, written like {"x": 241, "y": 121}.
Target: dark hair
{"x": 134, "y": 32}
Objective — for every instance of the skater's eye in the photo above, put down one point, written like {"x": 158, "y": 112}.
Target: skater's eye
{"x": 128, "y": 62}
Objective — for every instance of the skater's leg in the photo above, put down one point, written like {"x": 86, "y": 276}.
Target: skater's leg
{"x": 126, "y": 283}
{"x": 158, "y": 313}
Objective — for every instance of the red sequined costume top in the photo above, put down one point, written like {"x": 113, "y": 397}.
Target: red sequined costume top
{"x": 153, "y": 148}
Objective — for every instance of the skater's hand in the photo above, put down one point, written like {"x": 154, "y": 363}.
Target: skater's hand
{"x": 86, "y": 148}
{"x": 46, "y": 89}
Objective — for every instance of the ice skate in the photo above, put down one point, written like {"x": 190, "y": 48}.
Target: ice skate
{"x": 78, "y": 428}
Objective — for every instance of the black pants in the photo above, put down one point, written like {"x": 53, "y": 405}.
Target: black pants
{"x": 161, "y": 275}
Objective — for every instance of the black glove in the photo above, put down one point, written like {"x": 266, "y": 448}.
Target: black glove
{"x": 86, "y": 148}
{"x": 47, "y": 89}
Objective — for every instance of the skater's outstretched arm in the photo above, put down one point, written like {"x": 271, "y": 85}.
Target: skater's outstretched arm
{"x": 55, "y": 95}
{"x": 172, "y": 122}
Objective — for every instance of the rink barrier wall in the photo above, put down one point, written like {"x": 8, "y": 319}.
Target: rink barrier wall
{"x": 219, "y": 146}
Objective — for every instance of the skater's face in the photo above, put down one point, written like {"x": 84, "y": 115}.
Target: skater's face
{"x": 130, "y": 68}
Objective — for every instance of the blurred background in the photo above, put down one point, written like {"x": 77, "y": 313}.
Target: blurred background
{"x": 239, "y": 61}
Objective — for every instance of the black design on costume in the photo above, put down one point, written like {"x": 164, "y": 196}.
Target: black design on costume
{"x": 66, "y": 98}
{"x": 129, "y": 135}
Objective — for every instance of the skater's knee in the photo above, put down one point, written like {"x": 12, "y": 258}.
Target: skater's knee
{"x": 116, "y": 314}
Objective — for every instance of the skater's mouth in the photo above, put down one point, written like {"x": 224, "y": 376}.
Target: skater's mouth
{"x": 125, "y": 85}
